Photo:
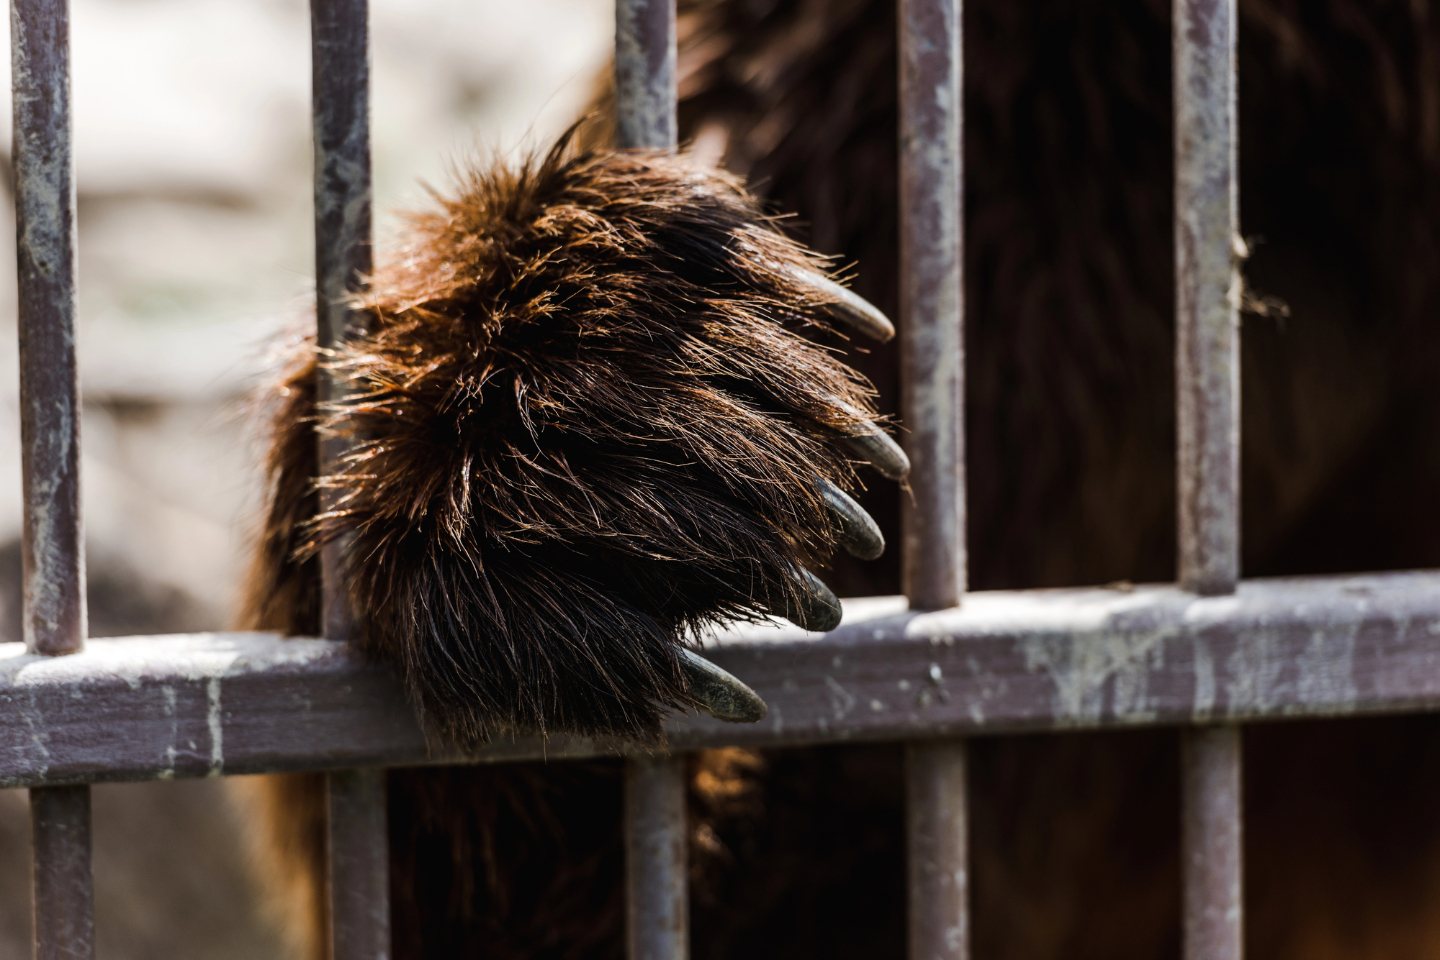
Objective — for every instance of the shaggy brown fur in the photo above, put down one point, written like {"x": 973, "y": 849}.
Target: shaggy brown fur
{"x": 1071, "y": 439}
{"x": 584, "y": 430}
{"x": 585, "y": 427}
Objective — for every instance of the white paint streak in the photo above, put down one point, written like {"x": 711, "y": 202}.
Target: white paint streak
{"x": 213, "y": 720}
{"x": 842, "y": 701}
{"x": 1096, "y": 674}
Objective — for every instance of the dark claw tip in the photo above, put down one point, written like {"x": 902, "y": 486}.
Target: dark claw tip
{"x": 816, "y": 608}
{"x": 719, "y": 692}
{"x": 855, "y": 529}
{"x": 868, "y": 442}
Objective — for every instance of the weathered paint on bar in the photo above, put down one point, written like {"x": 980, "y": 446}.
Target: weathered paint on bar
{"x": 210, "y": 704}
{"x": 937, "y": 850}
{"x": 1212, "y": 851}
{"x": 933, "y": 559}
{"x": 656, "y": 861}
{"x": 53, "y": 541}
{"x": 1207, "y": 351}
{"x": 358, "y": 858}
{"x": 1207, "y": 295}
{"x": 645, "y": 74}
{"x": 932, "y": 302}
{"x": 340, "y": 66}
{"x": 64, "y": 904}
{"x": 357, "y": 850}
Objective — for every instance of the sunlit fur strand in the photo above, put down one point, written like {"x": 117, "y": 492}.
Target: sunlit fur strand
{"x": 585, "y": 426}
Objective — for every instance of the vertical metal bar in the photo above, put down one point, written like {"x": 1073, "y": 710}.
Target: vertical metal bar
{"x": 656, "y": 859}
{"x": 358, "y": 852}
{"x": 932, "y": 301}
{"x": 657, "y": 894}
{"x": 645, "y": 74}
{"x": 932, "y": 357}
{"x": 1207, "y": 293}
{"x": 64, "y": 905}
{"x": 937, "y": 852}
{"x": 54, "y": 535}
{"x": 343, "y": 251}
{"x": 54, "y": 542}
{"x": 359, "y": 864}
{"x": 1207, "y": 353}
{"x": 1210, "y": 842}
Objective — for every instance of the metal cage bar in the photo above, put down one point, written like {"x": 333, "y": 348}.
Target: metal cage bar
{"x": 340, "y": 65}
{"x": 645, "y": 74}
{"x": 64, "y": 906}
{"x": 358, "y": 861}
{"x": 936, "y": 855}
{"x": 932, "y": 302}
{"x": 53, "y": 565}
{"x": 1210, "y": 844}
{"x": 932, "y": 306}
{"x": 657, "y": 908}
{"x": 54, "y": 537}
{"x": 1207, "y": 291}
{"x": 656, "y": 841}
{"x": 1207, "y": 354}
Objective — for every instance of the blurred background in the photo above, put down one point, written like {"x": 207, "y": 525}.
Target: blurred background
{"x": 196, "y": 250}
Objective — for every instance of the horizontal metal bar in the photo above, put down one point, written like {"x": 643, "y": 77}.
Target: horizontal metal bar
{"x": 192, "y": 705}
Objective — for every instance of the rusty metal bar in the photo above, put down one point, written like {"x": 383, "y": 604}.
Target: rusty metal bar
{"x": 656, "y": 859}
{"x": 645, "y": 74}
{"x": 359, "y": 863}
{"x": 932, "y": 301}
{"x": 656, "y": 844}
{"x": 936, "y": 855}
{"x": 1207, "y": 292}
{"x": 54, "y": 540}
{"x": 1211, "y": 847}
{"x": 358, "y": 853}
{"x": 64, "y": 905}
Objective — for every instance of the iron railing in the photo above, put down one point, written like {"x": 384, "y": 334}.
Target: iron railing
{"x": 1206, "y": 654}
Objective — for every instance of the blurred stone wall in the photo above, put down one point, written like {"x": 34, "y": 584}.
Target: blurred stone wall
{"x": 196, "y": 250}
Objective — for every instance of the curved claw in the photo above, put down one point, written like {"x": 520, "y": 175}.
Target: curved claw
{"x": 849, "y": 308}
{"x": 856, "y": 530}
{"x": 719, "y": 692}
{"x": 879, "y": 449}
{"x": 816, "y": 608}
{"x": 870, "y": 443}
